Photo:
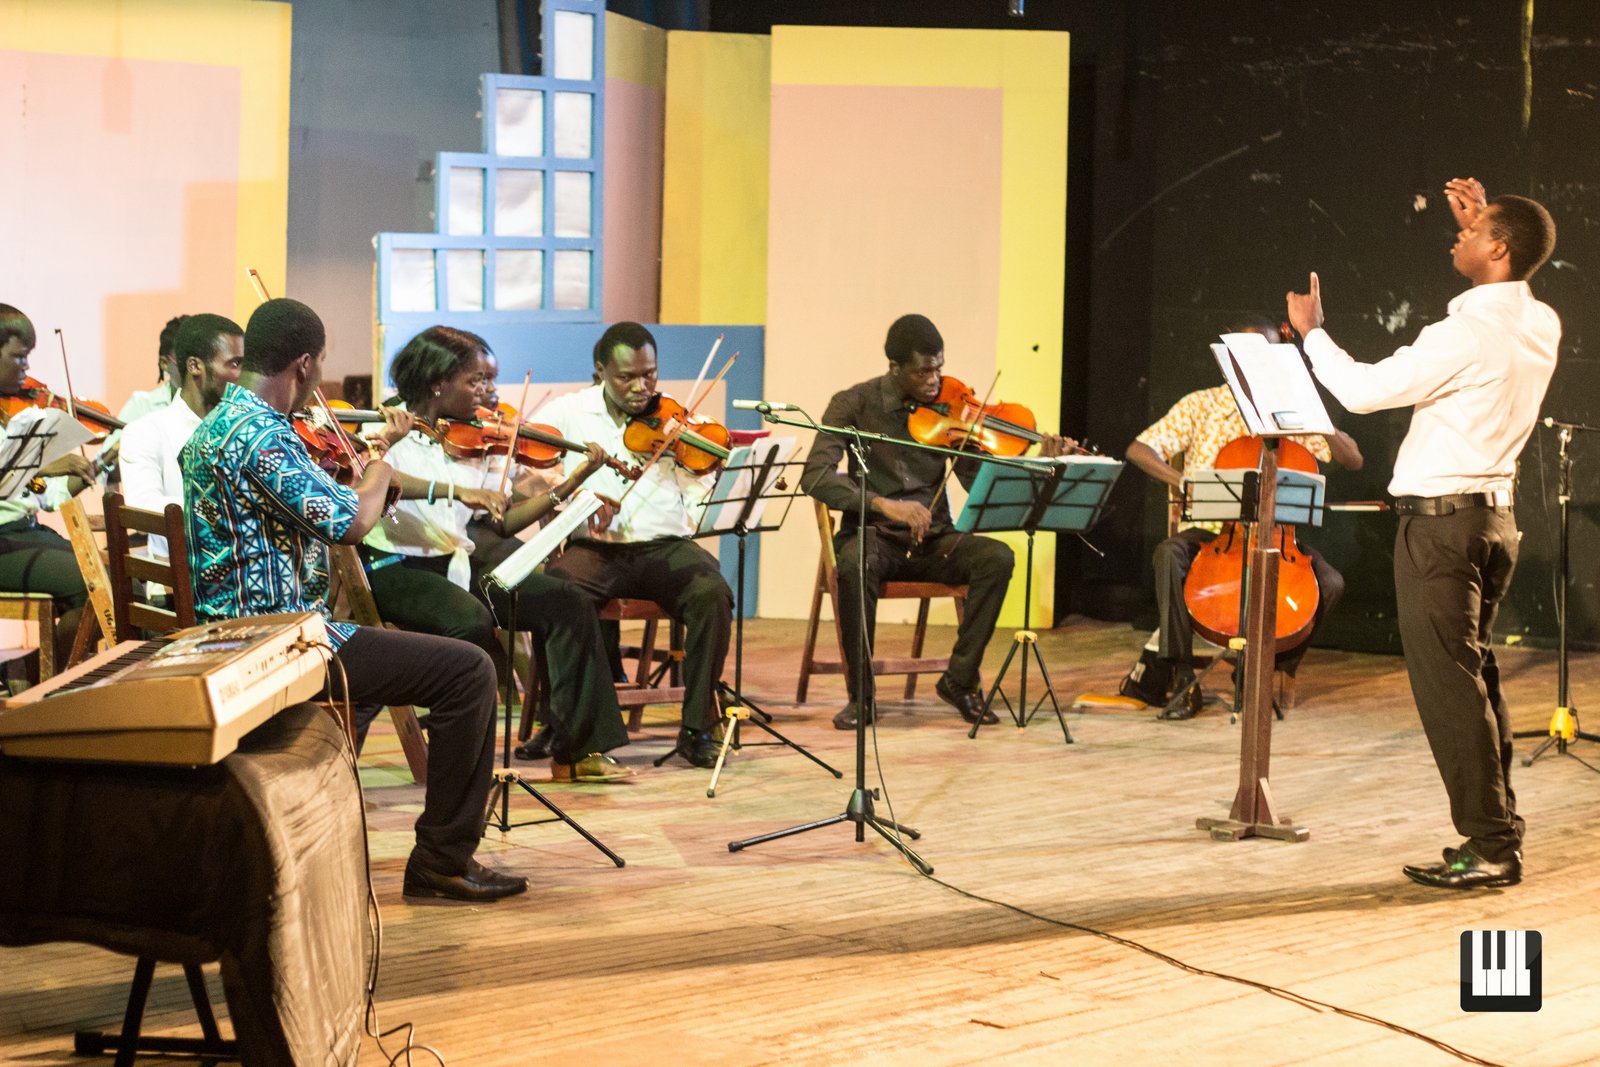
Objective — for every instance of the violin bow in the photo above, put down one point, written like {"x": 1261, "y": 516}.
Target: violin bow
{"x": 260, "y": 287}
{"x": 66, "y": 367}
{"x": 972, "y": 431}
{"x": 511, "y": 453}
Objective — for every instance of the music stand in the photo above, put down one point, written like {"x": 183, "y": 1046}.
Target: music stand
{"x": 1066, "y": 495}
{"x": 1277, "y": 398}
{"x": 509, "y": 576}
{"x": 750, "y": 480}
{"x": 33, "y": 438}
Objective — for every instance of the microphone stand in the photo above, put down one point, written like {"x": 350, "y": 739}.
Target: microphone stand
{"x": 1564, "y": 726}
{"x": 859, "y": 808}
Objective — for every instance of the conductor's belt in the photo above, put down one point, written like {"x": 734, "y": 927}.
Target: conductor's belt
{"x": 1447, "y": 505}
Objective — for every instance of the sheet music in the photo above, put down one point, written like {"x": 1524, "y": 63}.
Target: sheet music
{"x": 1275, "y": 392}
{"x": 34, "y": 438}
{"x": 538, "y": 548}
{"x": 726, "y": 502}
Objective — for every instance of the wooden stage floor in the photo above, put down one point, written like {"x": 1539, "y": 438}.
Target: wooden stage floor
{"x": 820, "y": 950}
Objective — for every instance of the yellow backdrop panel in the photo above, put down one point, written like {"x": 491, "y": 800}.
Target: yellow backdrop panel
{"x": 914, "y": 170}
{"x": 714, "y": 191}
{"x": 149, "y": 169}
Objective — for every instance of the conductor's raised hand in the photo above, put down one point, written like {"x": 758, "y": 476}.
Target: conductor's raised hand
{"x": 1305, "y": 309}
{"x": 1467, "y": 199}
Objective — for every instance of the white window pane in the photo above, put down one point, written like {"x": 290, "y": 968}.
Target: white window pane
{"x": 574, "y": 45}
{"x": 572, "y": 192}
{"x": 464, "y": 279}
{"x": 466, "y": 201}
{"x": 574, "y": 120}
{"x": 412, "y": 286}
{"x": 518, "y": 280}
{"x": 519, "y": 203}
{"x": 572, "y": 274}
{"x": 519, "y": 122}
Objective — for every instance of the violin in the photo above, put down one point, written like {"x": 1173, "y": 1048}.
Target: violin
{"x": 957, "y": 418}
{"x": 538, "y": 446}
{"x": 1214, "y": 590}
{"x": 698, "y": 443}
{"x": 94, "y": 415}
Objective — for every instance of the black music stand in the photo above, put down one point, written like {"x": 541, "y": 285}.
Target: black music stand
{"x": 33, "y": 438}
{"x": 508, "y": 576}
{"x": 1062, "y": 496}
{"x": 859, "y": 809}
{"x": 752, "y": 478}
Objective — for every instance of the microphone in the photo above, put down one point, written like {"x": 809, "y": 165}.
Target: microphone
{"x": 1557, "y": 424}
{"x": 763, "y": 406}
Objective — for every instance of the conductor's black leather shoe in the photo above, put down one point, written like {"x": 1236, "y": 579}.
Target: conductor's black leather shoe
{"x": 698, "y": 747}
{"x": 969, "y": 702}
{"x": 1467, "y": 870}
{"x": 537, "y": 746}
{"x": 477, "y": 883}
{"x": 849, "y": 716}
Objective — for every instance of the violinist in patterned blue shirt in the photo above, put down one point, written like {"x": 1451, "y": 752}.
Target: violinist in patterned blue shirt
{"x": 260, "y": 514}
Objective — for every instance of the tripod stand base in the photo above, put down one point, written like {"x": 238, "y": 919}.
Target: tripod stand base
{"x": 1021, "y": 714}
{"x": 500, "y": 796}
{"x": 735, "y": 709}
{"x": 858, "y": 811}
{"x": 1563, "y": 730}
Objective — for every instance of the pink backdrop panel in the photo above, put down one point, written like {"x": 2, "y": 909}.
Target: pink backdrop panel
{"x": 120, "y": 182}
{"x": 884, "y": 200}
{"x": 632, "y": 249}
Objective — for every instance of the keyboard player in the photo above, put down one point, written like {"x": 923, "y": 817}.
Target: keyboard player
{"x": 260, "y": 514}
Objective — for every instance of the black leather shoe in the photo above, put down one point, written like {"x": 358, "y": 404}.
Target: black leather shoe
{"x": 536, "y": 747}
{"x": 477, "y": 883}
{"x": 849, "y": 716}
{"x": 969, "y": 702}
{"x": 698, "y": 747}
{"x": 1467, "y": 870}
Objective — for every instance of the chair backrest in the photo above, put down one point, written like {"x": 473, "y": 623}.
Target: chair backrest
{"x": 133, "y": 608}
{"x": 825, "y": 531}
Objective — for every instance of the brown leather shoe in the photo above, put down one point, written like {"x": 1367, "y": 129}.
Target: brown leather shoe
{"x": 477, "y": 883}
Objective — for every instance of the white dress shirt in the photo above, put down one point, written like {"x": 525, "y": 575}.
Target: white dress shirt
{"x": 151, "y": 477}
{"x": 1476, "y": 379}
{"x": 667, "y": 501}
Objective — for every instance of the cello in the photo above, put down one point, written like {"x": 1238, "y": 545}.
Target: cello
{"x": 1214, "y": 589}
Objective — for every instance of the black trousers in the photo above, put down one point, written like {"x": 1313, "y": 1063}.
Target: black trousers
{"x": 1172, "y": 560}
{"x": 981, "y": 563}
{"x": 686, "y": 582}
{"x": 1450, "y": 574}
{"x": 455, "y": 682}
{"x": 34, "y": 559}
{"x": 415, "y": 594}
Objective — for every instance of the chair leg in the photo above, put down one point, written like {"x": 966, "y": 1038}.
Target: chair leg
{"x": 1286, "y": 693}
{"x": 47, "y": 639}
{"x": 412, "y": 741}
{"x": 808, "y": 655}
{"x": 917, "y": 637}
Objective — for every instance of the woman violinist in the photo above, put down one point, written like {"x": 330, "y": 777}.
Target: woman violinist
{"x": 910, "y": 514}
{"x": 34, "y": 559}
{"x": 1199, "y": 426}
{"x": 425, "y": 575}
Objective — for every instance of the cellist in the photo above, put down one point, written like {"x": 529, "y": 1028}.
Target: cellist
{"x": 1199, "y": 425}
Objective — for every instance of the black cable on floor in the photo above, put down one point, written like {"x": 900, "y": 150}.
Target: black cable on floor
{"x": 1294, "y": 998}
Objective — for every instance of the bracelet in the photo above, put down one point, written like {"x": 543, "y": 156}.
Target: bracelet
{"x": 431, "y": 487}
{"x": 556, "y": 499}
{"x": 452, "y": 492}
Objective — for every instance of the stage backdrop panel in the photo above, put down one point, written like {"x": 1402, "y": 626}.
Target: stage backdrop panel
{"x": 147, "y": 166}
{"x": 915, "y": 171}
{"x": 714, "y": 230}
{"x": 636, "y": 86}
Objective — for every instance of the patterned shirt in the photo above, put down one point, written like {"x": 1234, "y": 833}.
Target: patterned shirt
{"x": 1199, "y": 426}
{"x": 259, "y": 515}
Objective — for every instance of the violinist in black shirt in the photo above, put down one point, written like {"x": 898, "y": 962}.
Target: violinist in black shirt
{"x": 912, "y": 536}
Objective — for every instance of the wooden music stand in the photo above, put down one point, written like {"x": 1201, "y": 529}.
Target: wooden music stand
{"x": 1277, "y": 399}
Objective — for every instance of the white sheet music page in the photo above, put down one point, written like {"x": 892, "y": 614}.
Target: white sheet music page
{"x": 1275, "y": 382}
{"x": 517, "y": 566}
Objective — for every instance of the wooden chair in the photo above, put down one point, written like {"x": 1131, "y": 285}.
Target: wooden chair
{"x": 351, "y": 576}
{"x": 657, "y": 675}
{"x": 828, "y": 583}
{"x": 133, "y": 574}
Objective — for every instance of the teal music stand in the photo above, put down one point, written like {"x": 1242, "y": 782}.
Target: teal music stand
{"x": 1063, "y": 495}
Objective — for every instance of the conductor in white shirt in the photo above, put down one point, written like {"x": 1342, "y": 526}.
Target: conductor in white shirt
{"x": 1475, "y": 381}
{"x": 209, "y": 353}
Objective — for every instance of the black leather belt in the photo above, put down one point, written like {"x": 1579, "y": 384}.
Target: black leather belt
{"x": 1446, "y": 505}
